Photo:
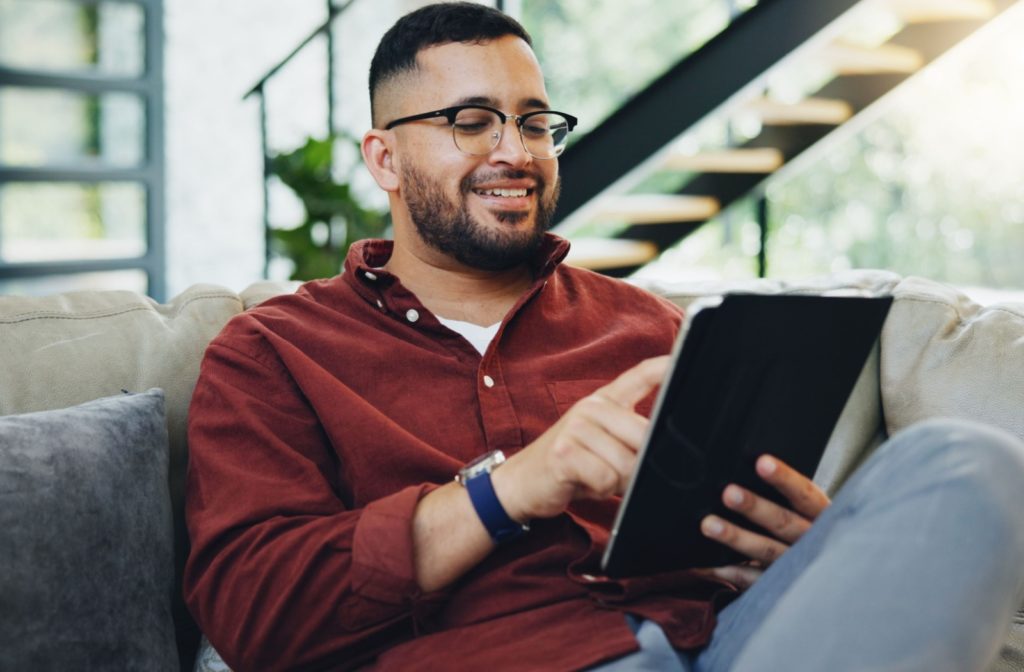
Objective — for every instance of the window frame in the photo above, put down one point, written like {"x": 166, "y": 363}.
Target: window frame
{"x": 149, "y": 86}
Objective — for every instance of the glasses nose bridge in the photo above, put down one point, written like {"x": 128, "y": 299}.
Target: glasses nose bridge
{"x": 504, "y": 118}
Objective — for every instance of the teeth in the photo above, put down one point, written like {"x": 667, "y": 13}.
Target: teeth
{"x": 505, "y": 193}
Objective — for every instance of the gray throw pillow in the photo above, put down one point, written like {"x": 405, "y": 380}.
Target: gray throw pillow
{"x": 86, "y": 566}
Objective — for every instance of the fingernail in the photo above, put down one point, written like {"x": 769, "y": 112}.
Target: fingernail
{"x": 768, "y": 465}
{"x": 734, "y": 496}
{"x": 713, "y": 526}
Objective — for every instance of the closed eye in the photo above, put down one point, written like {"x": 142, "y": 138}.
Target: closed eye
{"x": 472, "y": 128}
{"x": 536, "y": 129}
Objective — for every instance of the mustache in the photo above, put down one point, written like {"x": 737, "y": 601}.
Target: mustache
{"x": 471, "y": 181}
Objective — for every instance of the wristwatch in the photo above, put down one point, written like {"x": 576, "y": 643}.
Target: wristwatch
{"x": 476, "y": 478}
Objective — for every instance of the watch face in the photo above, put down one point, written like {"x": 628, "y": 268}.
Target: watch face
{"x": 480, "y": 465}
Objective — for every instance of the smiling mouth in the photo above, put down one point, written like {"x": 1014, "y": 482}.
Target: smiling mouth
{"x": 504, "y": 193}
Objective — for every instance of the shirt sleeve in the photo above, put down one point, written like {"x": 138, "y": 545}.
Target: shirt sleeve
{"x": 281, "y": 569}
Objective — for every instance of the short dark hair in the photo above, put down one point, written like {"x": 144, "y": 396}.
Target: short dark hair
{"x": 441, "y": 23}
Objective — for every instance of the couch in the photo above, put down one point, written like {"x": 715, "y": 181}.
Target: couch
{"x": 73, "y": 571}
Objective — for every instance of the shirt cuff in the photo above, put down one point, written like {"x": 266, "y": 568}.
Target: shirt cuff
{"x": 383, "y": 566}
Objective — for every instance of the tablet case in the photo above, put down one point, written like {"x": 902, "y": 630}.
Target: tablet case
{"x": 757, "y": 374}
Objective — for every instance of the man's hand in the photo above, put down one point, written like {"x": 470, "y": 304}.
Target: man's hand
{"x": 785, "y": 526}
{"x": 589, "y": 453}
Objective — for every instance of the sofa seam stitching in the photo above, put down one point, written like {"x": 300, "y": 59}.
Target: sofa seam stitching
{"x": 959, "y": 315}
{"x": 42, "y": 314}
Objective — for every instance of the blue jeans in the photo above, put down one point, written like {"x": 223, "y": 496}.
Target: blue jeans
{"x": 918, "y": 564}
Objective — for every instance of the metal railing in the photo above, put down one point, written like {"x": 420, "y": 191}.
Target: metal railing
{"x": 259, "y": 90}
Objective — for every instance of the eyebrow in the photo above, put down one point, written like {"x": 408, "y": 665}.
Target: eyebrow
{"x": 530, "y": 103}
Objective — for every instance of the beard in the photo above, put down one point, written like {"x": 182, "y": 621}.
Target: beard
{"x": 448, "y": 227}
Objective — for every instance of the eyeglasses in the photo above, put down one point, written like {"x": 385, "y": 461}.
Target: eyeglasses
{"x": 477, "y": 129}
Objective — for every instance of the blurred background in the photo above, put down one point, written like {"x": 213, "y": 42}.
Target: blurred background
{"x": 150, "y": 145}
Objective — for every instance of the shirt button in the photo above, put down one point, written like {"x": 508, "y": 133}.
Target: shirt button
{"x": 380, "y": 304}
{"x": 412, "y": 315}
{"x": 369, "y": 276}
{"x": 488, "y": 381}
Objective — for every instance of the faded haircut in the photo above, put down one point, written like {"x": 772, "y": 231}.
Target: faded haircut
{"x": 442, "y": 23}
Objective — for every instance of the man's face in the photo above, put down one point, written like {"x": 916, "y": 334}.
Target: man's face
{"x": 487, "y": 212}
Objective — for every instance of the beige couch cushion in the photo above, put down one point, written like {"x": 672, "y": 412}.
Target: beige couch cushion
{"x": 58, "y": 351}
{"x": 66, "y": 349}
{"x": 944, "y": 355}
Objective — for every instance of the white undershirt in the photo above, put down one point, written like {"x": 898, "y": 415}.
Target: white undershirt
{"x": 479, "y": 337}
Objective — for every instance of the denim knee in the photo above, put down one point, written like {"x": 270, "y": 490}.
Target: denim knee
{"x": 993, "y": 447}
{"x": 989, "y": 458}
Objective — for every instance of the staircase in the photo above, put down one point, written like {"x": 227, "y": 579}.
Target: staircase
{"x": 781, "y": 78}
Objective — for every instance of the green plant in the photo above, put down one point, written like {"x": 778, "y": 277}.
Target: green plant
{"x": 334, "y": 216}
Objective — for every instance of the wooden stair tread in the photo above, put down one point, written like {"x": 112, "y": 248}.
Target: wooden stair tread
{"x": 656, "y": 208}
{"x": 928, "y": 11}
{"x": 850, "y": 59}
{"x": 599, "y": 254}
{"x": 808, "y": 111}
{"x": 753, "y": 160}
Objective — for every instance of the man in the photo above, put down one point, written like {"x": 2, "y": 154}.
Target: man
{"x": 327, "y": 427}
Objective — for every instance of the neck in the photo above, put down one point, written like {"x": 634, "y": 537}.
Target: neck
{"x": 452, "y": 290}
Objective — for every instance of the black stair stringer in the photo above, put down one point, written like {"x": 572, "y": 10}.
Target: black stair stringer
{"x": 699, "y": 83}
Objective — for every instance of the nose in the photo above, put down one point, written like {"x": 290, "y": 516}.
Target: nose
{"x": 510, "y": 149}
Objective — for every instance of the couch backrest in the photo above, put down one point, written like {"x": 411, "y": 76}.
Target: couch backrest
{"x": 61, "y": 350}
{"x": 941, "y": 354}
{"x": 945, "y": 355}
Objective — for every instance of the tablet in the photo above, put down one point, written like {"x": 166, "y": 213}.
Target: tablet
{"x": 755, "y": 374}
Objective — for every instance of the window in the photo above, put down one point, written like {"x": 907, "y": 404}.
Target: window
{"x": 81, "y": 148}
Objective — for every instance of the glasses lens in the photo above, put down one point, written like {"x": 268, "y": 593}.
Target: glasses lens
{"x": 545, "y": 134}
{"x": 476, "y": 131}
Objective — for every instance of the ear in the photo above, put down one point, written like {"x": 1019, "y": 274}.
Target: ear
{"x": 377, "y": 154}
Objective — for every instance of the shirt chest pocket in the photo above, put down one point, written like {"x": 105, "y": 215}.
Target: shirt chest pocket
{"x": 565, "y": 393}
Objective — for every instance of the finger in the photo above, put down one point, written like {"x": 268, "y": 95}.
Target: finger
{"x": 581, "y": 434}
{"x": 750, "y": 544}
{"x": 594, "y": 477}
{"x": 741, "y": 576}
{"x": 780, "y": 521}
{"x": 636, "y": 383}
{"x": 807, "y": 498}
{"x": 624, "y": 424}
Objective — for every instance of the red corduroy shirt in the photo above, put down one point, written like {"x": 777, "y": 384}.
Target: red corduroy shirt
{"x": 321, "y": 418}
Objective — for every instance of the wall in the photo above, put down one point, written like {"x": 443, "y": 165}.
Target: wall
{"x": 215, "y": 52}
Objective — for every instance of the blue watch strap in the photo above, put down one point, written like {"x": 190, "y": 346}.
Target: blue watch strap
{"x": 492, "y": 514}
